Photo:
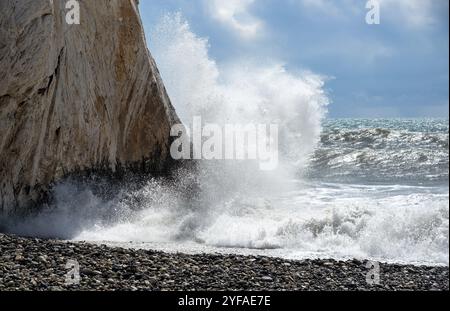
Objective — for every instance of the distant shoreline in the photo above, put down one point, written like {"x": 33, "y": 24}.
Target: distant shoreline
{"x": 35, "y": 264}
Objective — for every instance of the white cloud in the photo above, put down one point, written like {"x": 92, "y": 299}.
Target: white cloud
{"x": 235, "y": 15}
{"x": 412, "y": 13}
{"x": 409, "y": 13}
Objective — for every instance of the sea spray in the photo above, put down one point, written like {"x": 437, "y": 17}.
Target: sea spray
{"x": 333, "y": 209}
{"x": 240, "y": 92}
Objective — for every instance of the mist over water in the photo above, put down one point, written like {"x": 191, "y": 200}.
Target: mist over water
{"x": 373, "y": 189}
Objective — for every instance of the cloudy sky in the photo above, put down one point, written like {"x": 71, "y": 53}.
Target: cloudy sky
{"x": 399, "y": 68}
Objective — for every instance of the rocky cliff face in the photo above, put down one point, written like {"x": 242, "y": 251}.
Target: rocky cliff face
{"x": 76, "y": 97}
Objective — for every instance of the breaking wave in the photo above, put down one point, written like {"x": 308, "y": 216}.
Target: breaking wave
{"x": 359, "y": 188}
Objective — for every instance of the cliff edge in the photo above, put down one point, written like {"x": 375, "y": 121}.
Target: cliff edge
{"x": 76, "y": 98}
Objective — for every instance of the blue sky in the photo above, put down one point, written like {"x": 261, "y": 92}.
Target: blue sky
{"x": 399, "y": 68}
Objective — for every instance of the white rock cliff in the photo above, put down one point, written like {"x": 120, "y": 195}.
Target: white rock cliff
{"x": 76, "y": 98}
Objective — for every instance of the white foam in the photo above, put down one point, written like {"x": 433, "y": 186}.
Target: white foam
{"x": 240, "y": 92}
{"x": 238, "y": 206}
{"x": 343, "y": 223}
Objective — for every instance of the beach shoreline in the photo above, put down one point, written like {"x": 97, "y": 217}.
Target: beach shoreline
{"x": 42, "y": 265}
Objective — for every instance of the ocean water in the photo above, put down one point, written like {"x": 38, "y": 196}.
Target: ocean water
{"x": 344, "y": 188}
{"x": 373, "y": 189}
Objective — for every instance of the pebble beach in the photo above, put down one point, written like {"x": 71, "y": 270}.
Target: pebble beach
{"x": 41, "y": 265}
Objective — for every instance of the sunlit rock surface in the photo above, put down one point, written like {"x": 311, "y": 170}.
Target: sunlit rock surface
{"x": 76, "y": 98}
